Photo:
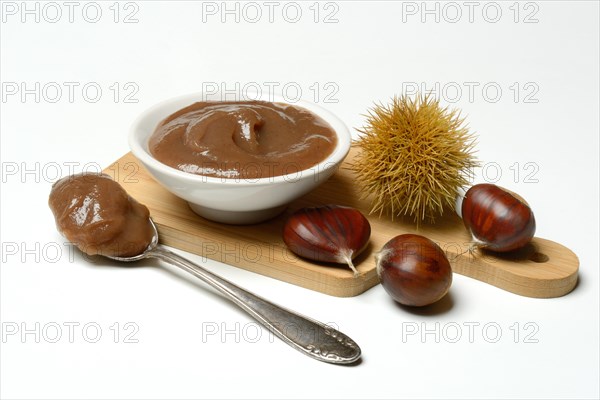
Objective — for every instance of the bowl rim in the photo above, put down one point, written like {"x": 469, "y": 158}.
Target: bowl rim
{"x": 141, "y": 152}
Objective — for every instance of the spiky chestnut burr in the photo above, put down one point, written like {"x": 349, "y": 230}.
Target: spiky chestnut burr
{"x": 414, "y": 156}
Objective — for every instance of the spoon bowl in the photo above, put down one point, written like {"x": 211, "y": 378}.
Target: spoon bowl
{"x": 151, "y": 247}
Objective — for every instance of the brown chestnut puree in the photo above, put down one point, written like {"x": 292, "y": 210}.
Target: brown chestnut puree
{"x": 96, "y": 214}
{"x": 242, "y": 140}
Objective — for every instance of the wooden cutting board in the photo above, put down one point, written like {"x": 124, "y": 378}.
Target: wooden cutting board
{"x": 542, "y": 269}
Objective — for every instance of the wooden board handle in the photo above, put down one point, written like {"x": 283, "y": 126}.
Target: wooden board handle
{"x": 541, "y": 269}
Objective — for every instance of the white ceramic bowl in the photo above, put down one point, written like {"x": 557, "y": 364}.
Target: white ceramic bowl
{"x": 234, "y": 201}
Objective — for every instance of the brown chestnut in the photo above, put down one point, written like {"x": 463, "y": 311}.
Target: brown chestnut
{"x": 497, "y": 219}
{"x": 413, "y": 270}
{"x": 328, "y": 233}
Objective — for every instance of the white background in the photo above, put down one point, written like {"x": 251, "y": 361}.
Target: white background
{"x": 371, "y": 53}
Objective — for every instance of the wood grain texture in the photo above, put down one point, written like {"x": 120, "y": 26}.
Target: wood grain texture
{"x": 542, "y": 269}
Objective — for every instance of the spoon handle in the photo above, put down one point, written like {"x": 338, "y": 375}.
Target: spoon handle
{"x": 310, "y": 337}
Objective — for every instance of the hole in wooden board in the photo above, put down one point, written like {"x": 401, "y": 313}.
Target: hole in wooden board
{"x": 529, "y": 252}
{"x": 538, "y": 257}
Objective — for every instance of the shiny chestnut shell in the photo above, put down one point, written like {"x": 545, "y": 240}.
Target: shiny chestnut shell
{"x": 329, "y": 233}
{"x": 414, "y": 270}
{"x": 496, "y": 218}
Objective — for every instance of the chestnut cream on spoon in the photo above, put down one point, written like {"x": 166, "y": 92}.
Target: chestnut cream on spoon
{"x": 98, "y": 216}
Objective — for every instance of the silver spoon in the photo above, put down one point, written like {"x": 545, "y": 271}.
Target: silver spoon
{"x": 310, "y": 337}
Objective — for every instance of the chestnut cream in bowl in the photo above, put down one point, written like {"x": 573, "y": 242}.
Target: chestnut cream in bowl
{"x": 239, "y": 162}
